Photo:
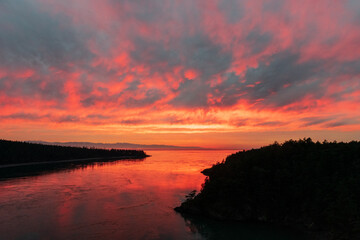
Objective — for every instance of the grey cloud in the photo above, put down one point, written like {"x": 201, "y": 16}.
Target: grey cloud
{"x": 154, "y": 54}
{"x": 98, "y": 116}
{"x": 315, "y": 120}
{"x": 151, "y": 96}
{"x": 295, "y": 92}
{"x": 239, "y": 122}
{"x": 191, "y": 93}
{"x": 342, "y": 122}
{"x": 146, "y": 11}
{"x": 206, "y": 56}
{"x": 336, "y": 124}
{"x": 233, "y": 10}
{"x": 268, "y": 80}
{"x": 194, "y": 52}
{"x": 329, "y": 122}
{"x": 273, "y": 5}
{"x": 22, "y": 115}
{"x": 133, "y": 121}
{"x": 133, "y": 86}
{"x": 354, "y": 6}
{"x": 30, "y": 37}
{"x": 67, "y": 118}
{"x": 349, "y": 67}
{"x": 89, "y": 101}
{"x": 258, "y": 41}
{"x": 283, "y": 68}
{"x": 34, "y": 86}
{"x": 199, "y": 53}
{"x": 271, "y": 123}
{"x": 229, "y": 90}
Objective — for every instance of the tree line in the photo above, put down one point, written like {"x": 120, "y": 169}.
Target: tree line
{"x": 12, "y": 152}
{"x": 301, "y": 183}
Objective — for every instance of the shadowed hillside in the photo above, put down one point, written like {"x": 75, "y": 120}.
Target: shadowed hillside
{"x": 12, "y": 152}
{"x": 313, "y": 186}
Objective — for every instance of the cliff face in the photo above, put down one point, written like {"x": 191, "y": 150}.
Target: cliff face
{"x": 310, "y": 185}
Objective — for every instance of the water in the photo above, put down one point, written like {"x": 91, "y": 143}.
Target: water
{"x": 118, "y": 200}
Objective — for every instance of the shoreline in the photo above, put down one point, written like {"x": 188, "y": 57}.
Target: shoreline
{"x": 72, "y": 160}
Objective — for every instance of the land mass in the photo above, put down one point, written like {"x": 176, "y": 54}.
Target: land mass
{"x": 119, "y": 145}
{"x": 14, "y": 153}
{"x": 311, "y": 186}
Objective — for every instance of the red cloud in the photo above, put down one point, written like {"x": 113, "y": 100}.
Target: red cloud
{"x": 164, "y": 61}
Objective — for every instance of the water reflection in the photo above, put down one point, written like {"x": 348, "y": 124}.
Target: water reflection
{"x": 113, "y": 200}
{"x": 212, "y": 230}
{"x": 40, "y": 169}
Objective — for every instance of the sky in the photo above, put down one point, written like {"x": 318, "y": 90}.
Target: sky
{"x": 219, "y": 73}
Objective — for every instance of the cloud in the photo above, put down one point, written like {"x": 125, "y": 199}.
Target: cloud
{"x": 151, "y": 96}
{"x": 206, "y": 56}
{"x": 272, "y": 78}
{"x": 67, "y": 118}
{"x": 34, "y": 38}
{"x": 23, "y": 115}
{"x": 233, "y": 10}
{"x": 98, "y": 116}
{"x": 191, "y": 93}
{"x": 255, "y": 64}
{"x": 258, "y": 41}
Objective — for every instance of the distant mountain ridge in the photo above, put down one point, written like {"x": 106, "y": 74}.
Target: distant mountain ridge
{"x": 118, "y": 145}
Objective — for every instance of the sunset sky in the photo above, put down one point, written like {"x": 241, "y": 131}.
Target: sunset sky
{"x": 224, "y": 74}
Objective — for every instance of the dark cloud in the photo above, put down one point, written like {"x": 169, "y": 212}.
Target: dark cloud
{"x": 239, "y": 122}
{"x": 31, "y": 37}
{"x": 89, "y": 101}
{"x": 342, "y": 122}
{"x": 133, "y": 86}
{"x": 258, "y": 41}
{"x": 206, "y": 56}
{"x": 22, "y": 115}
{"x": 164, "y": 36}
{"x": 270, "y": 78}
{"x": 229, "y": 91}
{"x": 195, "y": 52}
{"x": 233, "y": 10}
{"x": 310, "y": 121}
{"x": 98, "y": 116}
{"x": 33, "y": 87}
{"x": 270, "y": 123}
{"x": 36, "y": 117}
{"x": 154, "y": 55}
{"x": 354, "y": 6}
{"x": 133, "y": 121}
{"x": 348, "y": 67}
{"x": 273, "y": 5}
{"x": 191, "y": 93}
{"x": 278, "y": 80}
{"x": 151, "y": 96}
{"x": 142, "y": 10}
{"x": 66, "y": 118}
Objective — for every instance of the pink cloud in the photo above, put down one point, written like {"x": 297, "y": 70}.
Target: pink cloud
{"x": 125, "y": 58}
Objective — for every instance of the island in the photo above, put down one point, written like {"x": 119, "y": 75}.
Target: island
{"x": 14, "y": 153}
{"x": 309, "y": 185}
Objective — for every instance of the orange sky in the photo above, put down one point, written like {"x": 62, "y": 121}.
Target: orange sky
{"x": 225, "y": 73}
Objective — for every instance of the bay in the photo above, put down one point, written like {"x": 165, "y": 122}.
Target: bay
{"x": 125, "y": 199}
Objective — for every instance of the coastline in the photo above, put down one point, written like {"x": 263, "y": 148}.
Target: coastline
{"x": 305, "y": 185}
{"x": 89, "y": 160}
